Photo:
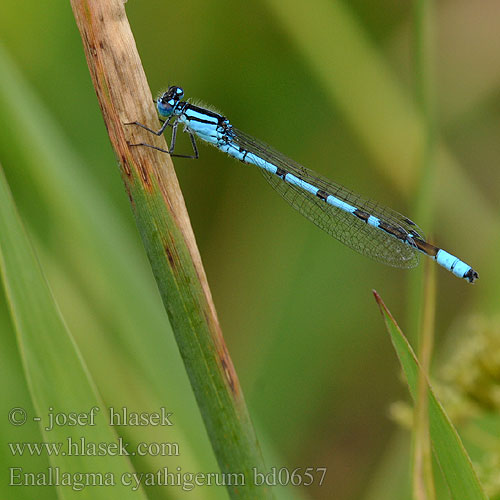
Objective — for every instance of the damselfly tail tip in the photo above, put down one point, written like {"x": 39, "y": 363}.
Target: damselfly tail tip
{"x": 471, "y": 275}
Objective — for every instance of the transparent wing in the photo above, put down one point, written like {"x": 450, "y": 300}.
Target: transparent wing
{"x": 347, "y": 228}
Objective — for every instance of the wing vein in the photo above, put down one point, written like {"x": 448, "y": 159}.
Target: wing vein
{"x": 344, "y": 226}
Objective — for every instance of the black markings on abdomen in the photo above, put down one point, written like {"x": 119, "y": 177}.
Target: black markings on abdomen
{"x": 361, "y": 215}
{"x": 281, "y": 172}
{"x": 322, "y": 195}
{"x": 399, "y": 233}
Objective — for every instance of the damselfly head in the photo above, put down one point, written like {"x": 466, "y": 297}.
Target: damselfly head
{"x": 168, "y": 101}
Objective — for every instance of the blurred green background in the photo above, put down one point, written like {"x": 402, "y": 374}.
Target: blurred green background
{"x": 330, "y": 85}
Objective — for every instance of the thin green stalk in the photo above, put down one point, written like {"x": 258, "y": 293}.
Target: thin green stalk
{"x": 427, "y": 160}
{"x": 163, "y": 223}
{"x": 423, "y": 291}
{"x": 425, "y": 98}
{"x": 423, "y": 481}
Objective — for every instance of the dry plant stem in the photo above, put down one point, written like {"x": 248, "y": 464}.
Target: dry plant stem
{"x": 163, "y": 222}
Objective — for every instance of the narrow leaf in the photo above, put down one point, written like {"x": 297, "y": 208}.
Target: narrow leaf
{"x": 448, "y": 448}
{"x": 57, "y": 377}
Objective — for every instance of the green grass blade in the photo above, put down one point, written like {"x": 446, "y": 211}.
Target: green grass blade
{"x": 448, "y": 448}
{"x": 56, "y": 375}
{"x": 15, "y": 393}
{"x": 108, "y": 298}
